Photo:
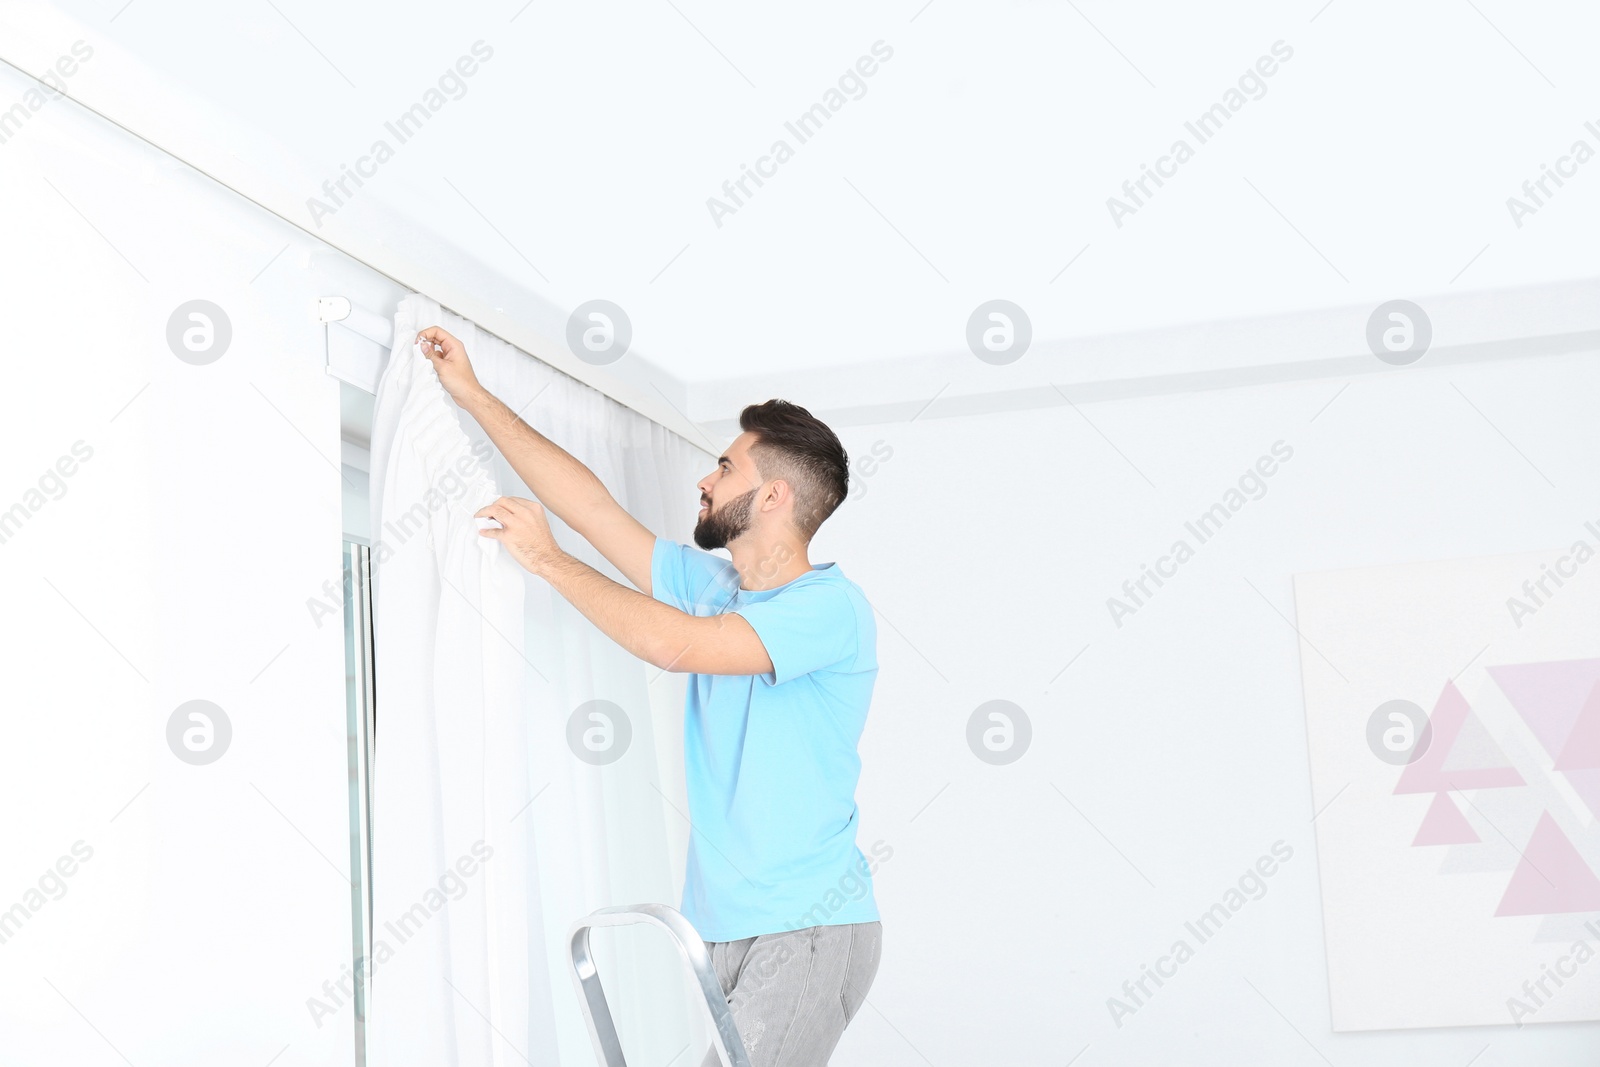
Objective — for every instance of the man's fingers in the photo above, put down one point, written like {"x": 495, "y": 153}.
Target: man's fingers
{"x": 507, "y": 504}
{"x": 436, "y": 338}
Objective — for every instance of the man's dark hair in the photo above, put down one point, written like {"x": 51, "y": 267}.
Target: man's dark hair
{"x": 796, "y": 446}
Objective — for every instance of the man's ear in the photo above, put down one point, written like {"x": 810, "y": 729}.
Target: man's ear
{"x": 775, "y": 495}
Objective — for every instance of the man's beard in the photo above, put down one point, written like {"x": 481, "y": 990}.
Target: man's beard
{"x": 720, "y": 527}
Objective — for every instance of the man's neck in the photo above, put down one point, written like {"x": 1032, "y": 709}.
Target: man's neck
{"x": 768, "y": 564}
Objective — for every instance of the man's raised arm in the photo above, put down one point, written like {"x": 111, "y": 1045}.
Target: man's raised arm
{"x": 561, "y": 482}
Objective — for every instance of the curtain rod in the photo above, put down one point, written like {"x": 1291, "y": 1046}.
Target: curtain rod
{"x": 682, "y": 425}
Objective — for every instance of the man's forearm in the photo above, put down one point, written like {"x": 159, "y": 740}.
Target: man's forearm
{"x": 557, "y": 478}
{"x": 649, "y": 629}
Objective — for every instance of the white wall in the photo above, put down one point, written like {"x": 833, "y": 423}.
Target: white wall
{"x": 214, "y": 902}
{"x": 1014, "y": 904}
{"x": 176, "y": 563}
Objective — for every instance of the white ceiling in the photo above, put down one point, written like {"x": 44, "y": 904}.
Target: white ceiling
{"x": 977, "y": 165}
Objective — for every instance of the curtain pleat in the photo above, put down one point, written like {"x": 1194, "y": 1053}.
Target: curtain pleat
{"x": 479, "y": 667}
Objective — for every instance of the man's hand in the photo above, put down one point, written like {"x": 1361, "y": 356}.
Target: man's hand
{"x": 525, "y": 532}
{"x": 449, "y": 358}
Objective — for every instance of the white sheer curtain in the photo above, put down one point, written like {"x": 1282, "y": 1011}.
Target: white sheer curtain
{"x": 480, "y": 667}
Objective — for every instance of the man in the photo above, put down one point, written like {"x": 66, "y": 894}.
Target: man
{"x": 782, "y": 658}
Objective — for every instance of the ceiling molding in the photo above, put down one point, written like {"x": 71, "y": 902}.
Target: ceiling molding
{"x": 1468, "y": 328}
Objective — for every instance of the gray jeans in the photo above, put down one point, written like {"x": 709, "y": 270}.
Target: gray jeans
{"x": 792, "y": 994}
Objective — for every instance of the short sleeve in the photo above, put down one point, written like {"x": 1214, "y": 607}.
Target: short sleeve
{"x": 809, "y": 628}
{"x": 686, "y": 577}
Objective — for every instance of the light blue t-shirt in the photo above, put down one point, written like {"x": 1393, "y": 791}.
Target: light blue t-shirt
{"x": 770, "y": 760}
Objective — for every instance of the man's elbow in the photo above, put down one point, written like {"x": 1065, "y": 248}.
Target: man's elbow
{"x": 706, "y": 646}
{"x": 670, "y": 654}
{"x": 695, "y": 652}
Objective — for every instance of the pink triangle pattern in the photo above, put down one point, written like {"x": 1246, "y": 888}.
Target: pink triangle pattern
{"x": 1552, "y": 698}
{"x": 1551, "y": 878}
{"x": 1581, "y": 752}
{"x": 1445, "y": 825}
{"x": 1426, "y": 774}
{"x": 1587, "y": 785}
{"x": 1549, "y": 696}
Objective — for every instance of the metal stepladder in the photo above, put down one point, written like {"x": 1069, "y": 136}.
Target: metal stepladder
{"x": 592, "y": 998}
